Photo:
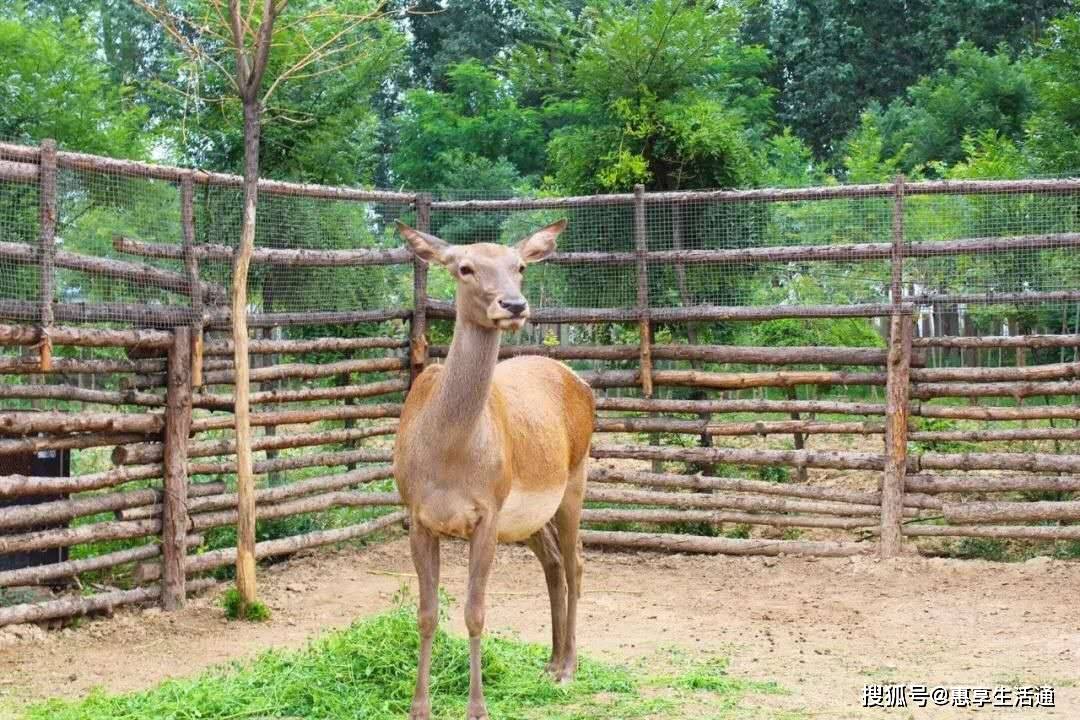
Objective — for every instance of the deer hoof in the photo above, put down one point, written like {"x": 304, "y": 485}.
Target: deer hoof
{"x": 420, "y": 713}
{"x": 477, "y": 712}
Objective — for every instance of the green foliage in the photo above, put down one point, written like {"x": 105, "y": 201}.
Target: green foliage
{"x": 1053, "y": 131}
{"x": 237, "y": 609}
{"x": 368, "y": 671}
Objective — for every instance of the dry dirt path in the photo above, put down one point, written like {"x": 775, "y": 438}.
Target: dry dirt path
{"x": 821, "y": 628}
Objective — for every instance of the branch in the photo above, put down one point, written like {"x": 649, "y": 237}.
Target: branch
{"x": 262, "y": 45}
{"x": 243, "y": 74}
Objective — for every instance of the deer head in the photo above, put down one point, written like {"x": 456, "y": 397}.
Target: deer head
{"x": 488, "y": 276}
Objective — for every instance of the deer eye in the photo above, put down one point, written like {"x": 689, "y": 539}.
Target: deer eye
{"x": 521, "y": 268}
{"x": 466, "y": 270}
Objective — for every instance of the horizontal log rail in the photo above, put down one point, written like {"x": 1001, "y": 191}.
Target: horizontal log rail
{"x": 298, "y": 371}
{"x": 663, "y": 542}
{"x": 309, "y": 504}
{"x": 1002, "y": 341}
{"x": 30, "y": 366}
{"x": 67, "y": 537}
{"x": 276, "y": 397}
{"x": 731, "y": 381}
{"x": 295, "y": 462}
{"x": 298, "y": 257}
{"x": 72, "y": 393}
{"x": 78, "y": 606}
{"x": 40, "y": 574}
{"x": 995, "y": 298}
{"x": 1013, "y": 532}
{"x": 149, "y": 275}
{"x": 995, "y": 435}
{"x": 67, "y": 442}
{"x": 221, "y": 320}
{"x": 1027, "y": 462}
{"x": 975, "y": 484}
{"x": 738, "y": 406}
{"x": 833, "y": 460}
{"x": 1001, "y": 511}
{"x": 26, "y": 423}
{"x": 275, "y": 494}
{"x": 142, "y": 453}
{"x": 719, "y": 517}
{"x": 758, "y": 427}
{"x": 1054, "y": 371}
{"x": 264, "y": 346}
{"x": 301, "y": 417}
{"x": 30, "y": 335}
{"x": 790, "y": 490}
{"x": 13, "y": 486}
{"x": 732, "y": 502}
{"x": 927, "y": 391}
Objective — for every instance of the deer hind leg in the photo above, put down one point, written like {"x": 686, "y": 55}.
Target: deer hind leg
{"x": 567, "y": 525}
{"x": 424, "y": 546}
{"x": 481, "y": 557}
{"x": 545, "y": 545}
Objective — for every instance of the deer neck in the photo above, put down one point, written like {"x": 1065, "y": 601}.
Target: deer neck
{"x": 466, "y": 385}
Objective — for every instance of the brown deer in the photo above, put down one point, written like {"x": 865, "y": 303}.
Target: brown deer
{"x": 493, "y": 452}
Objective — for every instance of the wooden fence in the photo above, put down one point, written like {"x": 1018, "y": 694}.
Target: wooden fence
{"x": 167, "y": 401}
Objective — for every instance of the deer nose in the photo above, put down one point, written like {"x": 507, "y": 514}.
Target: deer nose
{"x": 515, "y": 306}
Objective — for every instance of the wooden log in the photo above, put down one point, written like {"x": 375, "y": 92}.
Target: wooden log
{"x": 997, "y": 298}
{"x": 289, "y": 545}
{"x": 77, "y": 606}
{"x": 27, "y": 335}
{"x": 738, "y": 406}
{"x": 267, "y": 346}
{"x": 66, "y": 537}
{"x": 145, "y": 275}
{"x": 731, "y": 381}
{"x": 741, "y": 485}
{"x": 191, "y": 270}
{"x": 45, "y": 254}
{"x": 278, "y": 493}
{"x": 698, "y": 313}
{"x": 1014, "y": 532}
{"x": 1002, "y": 389}
{"x": 275, "y": 397}
{"x": 22, "y": 366}
{"x": 307, "y": 371}
{"x": 1000, "y": 511}
{"x": 760, "y": 427}
{"x": 26, "y": 423}
{"x": 67, "y": 442}
{"x": 299, "y": 417}
{"x": 12, "y": 486}
{"x": 1028, "y": 462}
{"x": 796, "y": 458}
{"x": 293, "y": 462}
{"x": 142, "y": 170}
{"x": 346, "y": 317}
{"x": 1056, "y": 371}
{"x": 135, "y": 313}
{"x": 291, "y": 257}
{"x": 714, "y": 517}
{"x": 18, "y": 171}
{"x": 174, "y": 516}
{"x": 701, "y": 353}
{"x": 312, "y": 503}
{"x": 724, "y": 546}
{"x": 41, "y": 574}
{"x": 17, "y": 516}
{"x": 999, "y": 341}
{"x": 77, "y": 394}
{"x": 729, "y": 502}
{"x": 984, "y": 412}
{"x": 996, "y": 435}
{"x": 141, "y": 453}
{"x": 1015, "y": 483}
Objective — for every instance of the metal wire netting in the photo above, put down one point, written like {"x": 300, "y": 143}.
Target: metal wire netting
{"x": 700, "y": 249}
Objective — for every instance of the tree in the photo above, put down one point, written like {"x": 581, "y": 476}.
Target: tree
{"x": 236, "y": 43}
{"x": 1053, "y": 131}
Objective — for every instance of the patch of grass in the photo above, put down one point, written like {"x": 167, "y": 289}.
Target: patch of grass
{"x": 368, "y": 671}
{"x": 983, "y": 549}
{"x": 236, "y": 609}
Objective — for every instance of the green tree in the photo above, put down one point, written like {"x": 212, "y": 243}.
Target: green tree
{"x": 1053, "y": 131}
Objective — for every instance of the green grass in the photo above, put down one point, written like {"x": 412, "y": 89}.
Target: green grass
{"x": 235, "y": 609}
{"x": 367, "y": 672}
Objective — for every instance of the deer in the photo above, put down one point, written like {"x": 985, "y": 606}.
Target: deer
{"x": 493, "y": 452}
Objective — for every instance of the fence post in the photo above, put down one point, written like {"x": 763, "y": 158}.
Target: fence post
{"x": 174, "y": 514}
{"x": 191, "y": 267}
{"x": 642, "y": 249}
{"x": 418, "y": 343}
{"x": 896, "y": 391}
{"x": 47, "y": 224}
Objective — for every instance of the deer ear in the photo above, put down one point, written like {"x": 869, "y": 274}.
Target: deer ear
{"x": 540, "y": 244}
{"x": 426, "y": 247}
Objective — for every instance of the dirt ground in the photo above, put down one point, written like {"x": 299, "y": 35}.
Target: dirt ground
{"x": 821, "y": 628}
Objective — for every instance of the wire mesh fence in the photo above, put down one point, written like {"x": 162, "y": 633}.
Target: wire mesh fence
{"x": 974, "y": 254}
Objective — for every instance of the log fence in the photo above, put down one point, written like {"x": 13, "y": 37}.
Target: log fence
{"x": 893, "y": 451}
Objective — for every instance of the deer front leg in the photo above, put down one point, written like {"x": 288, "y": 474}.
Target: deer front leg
{"x": 481, "y": 556}
{"x": 424, "y": 545}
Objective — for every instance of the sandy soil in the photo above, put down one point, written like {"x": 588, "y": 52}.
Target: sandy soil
{"x": 821, "y": 628}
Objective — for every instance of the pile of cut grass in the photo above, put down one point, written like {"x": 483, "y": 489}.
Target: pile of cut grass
{"x": 367, "y": 671}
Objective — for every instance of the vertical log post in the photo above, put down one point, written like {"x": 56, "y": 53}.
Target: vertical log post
{"x": 896, "y": 392}
{"x": 47, "y": 224}
{"x": 418, "y": 343}
{"x": 174, "y": 514}
{"x": 642, "y": 249}
{"x": 191, "y": 267}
